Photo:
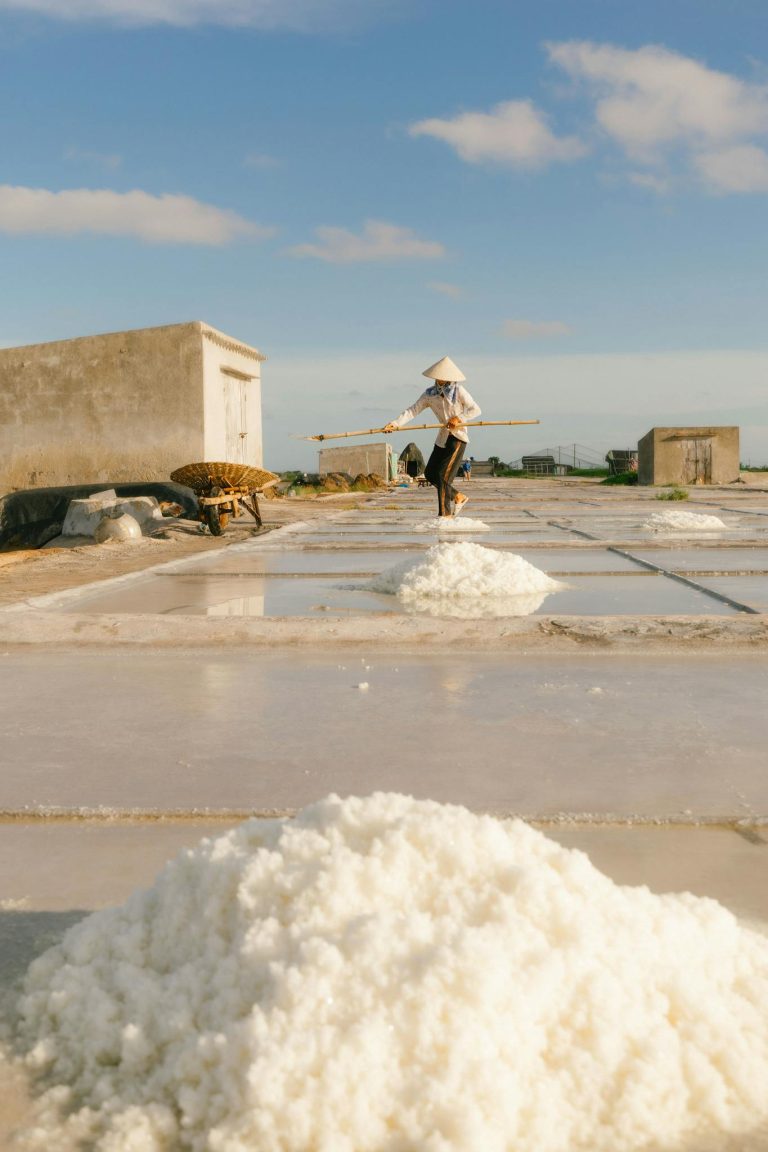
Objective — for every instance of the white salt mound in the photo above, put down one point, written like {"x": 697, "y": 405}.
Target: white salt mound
{"x": 467, "y": 580}
{"x": 463, "y": 571}
{"x": 388, "y": 974}
{"x": 671, "y": 521}
{"x": 462, "y": 525}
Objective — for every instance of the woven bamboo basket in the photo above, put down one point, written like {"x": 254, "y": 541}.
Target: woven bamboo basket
{"x": 204, "y": 476}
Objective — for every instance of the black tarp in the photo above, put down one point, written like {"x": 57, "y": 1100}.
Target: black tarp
{"x": 32, "y": 517}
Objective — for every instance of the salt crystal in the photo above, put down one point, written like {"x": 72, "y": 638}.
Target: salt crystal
{"x": 461, "y": 525}
{"x": 672, "y": 521}
{"x": 386, "y": 972}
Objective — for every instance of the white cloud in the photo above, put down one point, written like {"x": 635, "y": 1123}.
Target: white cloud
{"x": 743, "y": 168}
{"x": 296, "y": 15}
{"x": 378, "y": 241}
{"x": 155, "y": 219}
{"x": 671, "y": 115}
{"x": 445, "y": 289}
{"x": 515, "y": 134}
{"x": 649, "y": 98}
{"x": 535, "y": 329}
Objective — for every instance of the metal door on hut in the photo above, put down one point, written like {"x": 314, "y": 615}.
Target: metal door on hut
{"x": 697, "y": 461}
{"x": 235, "y": 418}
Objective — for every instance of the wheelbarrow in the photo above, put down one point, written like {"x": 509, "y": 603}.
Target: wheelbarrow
{"x": 225, "y": 490}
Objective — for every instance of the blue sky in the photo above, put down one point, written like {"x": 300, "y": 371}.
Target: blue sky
{"x": 567, "y": 196}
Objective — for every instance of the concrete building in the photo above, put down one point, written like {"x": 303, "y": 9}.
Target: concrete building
{"x": 127, "y": 406}
{"x": 356, "y": 458}
{"x": 689, "y": 456}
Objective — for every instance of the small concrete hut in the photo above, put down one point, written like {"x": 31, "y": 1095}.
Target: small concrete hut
{"x": 411, "y": 456}
{"x": 127, "y": 406}
{"x": 708, "y": 455}
{"x": 368, "y": 459}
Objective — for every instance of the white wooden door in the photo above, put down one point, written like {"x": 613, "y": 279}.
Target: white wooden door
{"x": 235, "y": 420}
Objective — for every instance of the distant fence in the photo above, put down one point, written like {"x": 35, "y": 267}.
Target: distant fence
{"x": 558, "y": 461}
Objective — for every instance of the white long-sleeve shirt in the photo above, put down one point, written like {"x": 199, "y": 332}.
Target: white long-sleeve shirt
{"x": 453, "y": 401}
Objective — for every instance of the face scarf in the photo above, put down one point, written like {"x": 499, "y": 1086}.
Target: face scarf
{"x": 446, "y": 390}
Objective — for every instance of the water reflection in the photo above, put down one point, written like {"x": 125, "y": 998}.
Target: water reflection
{"x": 237, "y": 606}
{"x": 476, "y": 608}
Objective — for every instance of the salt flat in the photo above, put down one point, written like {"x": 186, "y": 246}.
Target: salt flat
{"x": 628, "y": 718}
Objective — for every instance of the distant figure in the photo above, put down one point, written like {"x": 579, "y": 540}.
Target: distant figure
{"x": 466, "y": 468}
{"x": 453, "y": 407}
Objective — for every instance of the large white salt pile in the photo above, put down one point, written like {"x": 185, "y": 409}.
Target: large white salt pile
{"x": 461, "y": 525}
{"x": 671, "y": 521}
{"x": 389, "y": 974}
{"x": 465, "y": 579}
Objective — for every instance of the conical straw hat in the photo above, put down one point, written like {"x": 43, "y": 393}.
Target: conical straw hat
{"x": 444, "y": 369}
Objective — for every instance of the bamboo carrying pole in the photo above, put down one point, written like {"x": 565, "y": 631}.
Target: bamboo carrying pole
{"x": 414, "y": 428}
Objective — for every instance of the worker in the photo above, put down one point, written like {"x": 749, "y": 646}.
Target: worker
{"x": 453, "y": 407}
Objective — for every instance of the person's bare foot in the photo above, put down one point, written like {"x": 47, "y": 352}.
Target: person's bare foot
{"x": 459, "y": 503}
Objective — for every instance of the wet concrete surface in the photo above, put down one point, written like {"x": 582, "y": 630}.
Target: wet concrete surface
{"x": 752, "y": 588}
{"x": 645, "y": 733}
{"x": 707, "y": 560}
{"x": 245, "y": 594}
{"x": 658, "y": 736}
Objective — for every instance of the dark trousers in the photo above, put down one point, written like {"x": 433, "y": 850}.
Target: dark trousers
{"x": 441, "y": 471}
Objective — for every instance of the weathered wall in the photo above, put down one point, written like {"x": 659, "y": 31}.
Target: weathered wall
{"x": 122, "y": 406}
{"x": 662, "y": 454}
{"x": 645, "y": 457}
{"x": 232, "y": 400}
{"x": 355, "y": 459}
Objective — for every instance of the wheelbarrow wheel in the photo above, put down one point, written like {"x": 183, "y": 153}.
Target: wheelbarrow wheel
{"x": 214, "y": 517}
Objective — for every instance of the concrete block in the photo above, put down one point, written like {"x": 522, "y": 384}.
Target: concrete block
{"x": 83, "y": 516}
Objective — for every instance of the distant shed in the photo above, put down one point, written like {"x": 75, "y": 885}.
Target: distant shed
{"x": 621, "y": 460}
{"x": 483, "y": 468}
{"x": 412, "y": 460}
{"x": 354, "y": 459}
{"x": 127, "y": 406}
{"x": 708, "y": 455}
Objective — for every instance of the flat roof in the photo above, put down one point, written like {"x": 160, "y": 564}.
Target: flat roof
{"x": 211, "y": 333}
